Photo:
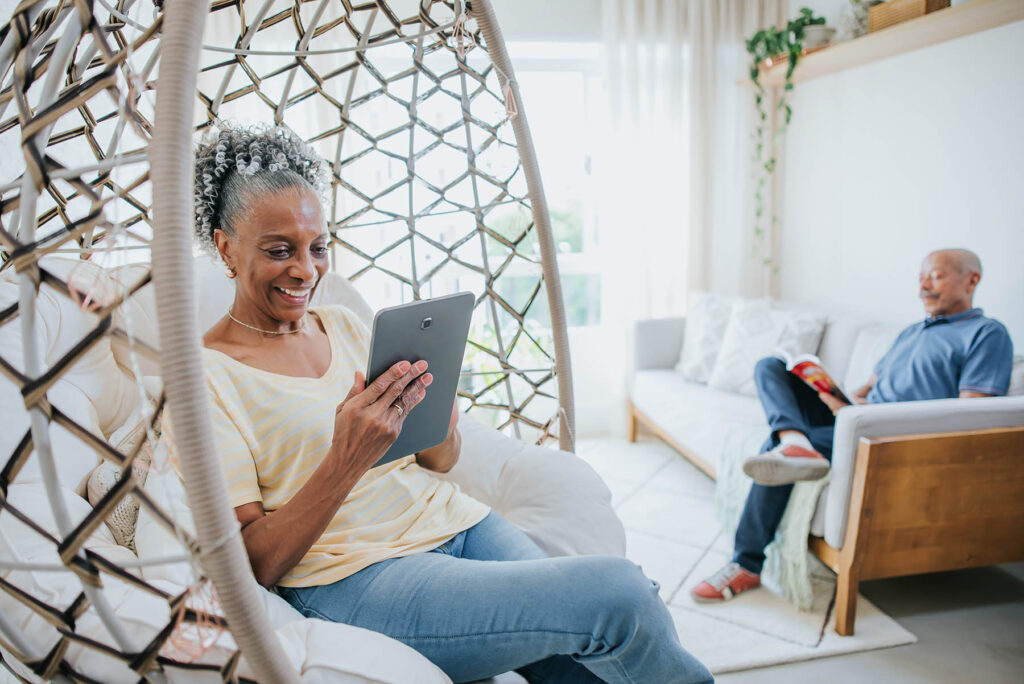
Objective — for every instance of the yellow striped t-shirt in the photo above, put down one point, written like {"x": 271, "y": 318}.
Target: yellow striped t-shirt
{"x": 273, "y": 431}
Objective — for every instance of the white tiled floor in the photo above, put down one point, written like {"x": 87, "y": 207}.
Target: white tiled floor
{"x": 665, "y": 503}
{"x": 970, "y": 623}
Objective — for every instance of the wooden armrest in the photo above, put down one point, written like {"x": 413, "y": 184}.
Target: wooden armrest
{"x": 929, "y": 502}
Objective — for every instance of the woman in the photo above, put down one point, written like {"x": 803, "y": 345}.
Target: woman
{"x": 391, "y": 548}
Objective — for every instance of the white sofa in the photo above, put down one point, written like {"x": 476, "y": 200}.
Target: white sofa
{"x": 698, "y": 420}
{"x": 526, "y": 484}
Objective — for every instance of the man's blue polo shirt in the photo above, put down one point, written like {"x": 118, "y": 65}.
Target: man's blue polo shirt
{"x": 942, "y": 356}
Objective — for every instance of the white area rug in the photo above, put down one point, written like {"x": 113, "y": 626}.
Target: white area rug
{"x": 667, "y": 506}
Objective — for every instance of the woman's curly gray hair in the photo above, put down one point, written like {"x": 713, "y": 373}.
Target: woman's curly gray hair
{"x": 236, "y": 165}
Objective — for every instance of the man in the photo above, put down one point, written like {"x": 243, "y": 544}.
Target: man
{"x": 955, "y": 352}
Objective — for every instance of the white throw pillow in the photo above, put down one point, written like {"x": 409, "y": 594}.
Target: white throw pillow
{"x": 871, "y": 345}
{"x": 757, "y": 329}
{"x": 707, "y": 316}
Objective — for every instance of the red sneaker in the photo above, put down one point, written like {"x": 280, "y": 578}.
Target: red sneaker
{"x": 731, "y": 580}
{"x": 785, "y": 464}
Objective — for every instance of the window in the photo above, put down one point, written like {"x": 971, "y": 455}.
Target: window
{"x": 560, "y": 89}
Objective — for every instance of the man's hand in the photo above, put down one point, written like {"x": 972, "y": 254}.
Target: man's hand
{"x": 860, "y": 395}
{"x": 834, "y": 403}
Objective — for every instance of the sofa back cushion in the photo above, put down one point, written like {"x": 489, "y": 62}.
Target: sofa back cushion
{"x": 873, "y": 341}
{"x": 756, "y": 329}
{"x": 1017, "y": 377}
{"x": 837, "y": 344}
{"x": 707, "y": 316}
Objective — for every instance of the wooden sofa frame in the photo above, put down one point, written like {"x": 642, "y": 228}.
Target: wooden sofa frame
{"x": 919, "y": 503}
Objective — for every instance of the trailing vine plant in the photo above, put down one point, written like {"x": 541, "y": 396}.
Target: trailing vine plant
{"x": 768, "y": 47}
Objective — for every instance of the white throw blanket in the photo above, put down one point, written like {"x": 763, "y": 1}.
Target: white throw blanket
{"x": 786, "y": 569}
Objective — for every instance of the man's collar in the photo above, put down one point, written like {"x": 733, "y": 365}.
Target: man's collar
{"x": 970, "y": 313}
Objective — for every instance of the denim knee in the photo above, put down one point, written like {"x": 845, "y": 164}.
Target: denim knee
{"x": 622, "y": 594}
{"x": 769, "y": 367}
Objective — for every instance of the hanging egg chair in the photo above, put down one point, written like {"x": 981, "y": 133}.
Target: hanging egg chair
{"x": 435, "y": 189}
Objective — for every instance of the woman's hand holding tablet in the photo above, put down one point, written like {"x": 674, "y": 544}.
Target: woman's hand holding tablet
{"x": 430, "y": 330}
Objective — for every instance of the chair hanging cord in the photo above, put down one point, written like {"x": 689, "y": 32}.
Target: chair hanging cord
{"x": 511, "y": 109}
{"x": 464, "y": 41}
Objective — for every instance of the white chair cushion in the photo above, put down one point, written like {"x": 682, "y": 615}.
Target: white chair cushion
{"x": 526, "y": 483}
{"x": 757, "y": 329}
{"x": 321, "y": 651}
{"x": 707, "y": 316}
{"x": 96, "y": 372}
{"x": 216, "y": 294}
{"x": 343, "y": 654}
{"x": 529, "y": 485}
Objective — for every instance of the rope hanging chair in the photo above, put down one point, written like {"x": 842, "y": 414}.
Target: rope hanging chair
{"x": 435, "y": 188}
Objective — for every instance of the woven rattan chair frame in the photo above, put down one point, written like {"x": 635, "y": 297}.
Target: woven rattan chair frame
{"x": 62, "y": 63}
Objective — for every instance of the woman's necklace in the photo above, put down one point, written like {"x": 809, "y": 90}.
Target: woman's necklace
{"x": 301, "y": 327}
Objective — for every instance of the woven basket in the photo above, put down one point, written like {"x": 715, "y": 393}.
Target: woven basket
{"x": 894, "y": 12}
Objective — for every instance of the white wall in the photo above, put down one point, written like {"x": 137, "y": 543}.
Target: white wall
{"x": 890, "y": 160}
{"x": 547, "y": 20}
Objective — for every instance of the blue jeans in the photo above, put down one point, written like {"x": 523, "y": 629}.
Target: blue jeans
{"x": 789, "y": 404}
{"x": 571, "y": 619}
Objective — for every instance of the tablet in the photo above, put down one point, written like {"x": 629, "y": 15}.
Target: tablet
{"x": 434, "y": 330}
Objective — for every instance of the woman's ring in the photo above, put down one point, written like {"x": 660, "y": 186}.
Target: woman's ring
{"x": 399, "y": 408}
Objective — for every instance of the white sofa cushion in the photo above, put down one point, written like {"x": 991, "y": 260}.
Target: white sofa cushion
{"x": 697, "y": 417}
{"x": 757, "y": 329}
{"x": 707, "y": 316}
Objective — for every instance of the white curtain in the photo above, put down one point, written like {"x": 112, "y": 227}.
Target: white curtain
{"x": 674, "y": 174}
{"x": 725, "y": 255}
{"x": 675, "y": 170}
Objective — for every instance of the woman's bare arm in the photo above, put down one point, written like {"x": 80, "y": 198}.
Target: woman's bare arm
{"x": 277, "y": 542}
{"x": 366, "y": 425}
{"x": 445, "y": 455}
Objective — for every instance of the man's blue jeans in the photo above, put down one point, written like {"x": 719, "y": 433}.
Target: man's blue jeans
{"x": 789, "y": 404}
{"x": 573, "y": 619}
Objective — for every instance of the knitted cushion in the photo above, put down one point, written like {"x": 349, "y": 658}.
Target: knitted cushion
{"x": 124, "y": 517}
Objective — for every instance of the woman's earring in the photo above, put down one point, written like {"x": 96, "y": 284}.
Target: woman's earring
{"x": 231, "y": 273}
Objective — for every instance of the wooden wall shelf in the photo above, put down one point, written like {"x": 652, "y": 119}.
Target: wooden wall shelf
{"x": 937, "y": 27}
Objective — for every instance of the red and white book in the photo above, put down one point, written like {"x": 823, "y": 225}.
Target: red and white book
{"x": 808, "y": 368}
